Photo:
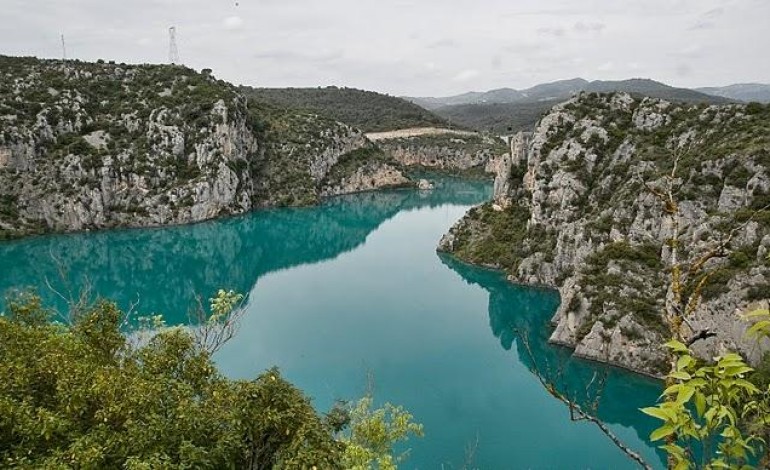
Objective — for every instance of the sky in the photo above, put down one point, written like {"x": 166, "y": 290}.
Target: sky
{"x": 409, "y": 47}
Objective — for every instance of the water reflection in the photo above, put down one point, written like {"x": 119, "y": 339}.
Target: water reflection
{"x": 517, "y": 310}
{"x": 387, "y": 306}
{"x": 164, "y": 268}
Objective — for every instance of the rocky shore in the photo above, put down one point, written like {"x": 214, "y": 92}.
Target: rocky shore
{"x": 572, "y": 210}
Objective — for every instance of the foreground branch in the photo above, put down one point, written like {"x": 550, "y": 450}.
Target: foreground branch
{"x": 576, "y": 411}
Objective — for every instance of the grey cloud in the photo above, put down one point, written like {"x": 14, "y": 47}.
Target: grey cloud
{"x": 441, "y": 43}
{"x": 295, "y": 56}
{"x": 588, "y": 27}
{"x": 707, "y": 20}
{"x": 703, "y": 24}
{"x": 426, "y": 47}
{"x": 551, "y": 31}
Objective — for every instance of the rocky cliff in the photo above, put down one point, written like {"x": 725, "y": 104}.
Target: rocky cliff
{"x": 572, "y": 210}
{"x": 308, "y": 156}
{"x": 466, "y": 153}
{"x": 94, "y": 145}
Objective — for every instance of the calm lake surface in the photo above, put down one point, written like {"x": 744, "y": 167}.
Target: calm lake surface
{"x": 354, "y": 289}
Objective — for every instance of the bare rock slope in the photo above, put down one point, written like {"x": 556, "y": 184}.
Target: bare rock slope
{"x": 95, "y": 145}
{"x": 572, "y": 210}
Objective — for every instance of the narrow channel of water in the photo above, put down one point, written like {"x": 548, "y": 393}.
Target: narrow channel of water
{"x": 354, "y": 288}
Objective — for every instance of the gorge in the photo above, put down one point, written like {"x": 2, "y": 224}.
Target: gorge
{"x": 298, "y": 208}
{"x": 353, "y": 288}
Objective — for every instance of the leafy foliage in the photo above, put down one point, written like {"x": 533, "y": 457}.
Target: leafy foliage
{"x": 372, "y": 434}
{"x": 705, "y": 412}
{"x": 85, "y": 395}
{"x": 80, "y": 396}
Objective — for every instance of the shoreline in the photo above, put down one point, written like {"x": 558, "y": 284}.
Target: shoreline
{"x": 549, "y": 287}
{"x": 257, "y": 208}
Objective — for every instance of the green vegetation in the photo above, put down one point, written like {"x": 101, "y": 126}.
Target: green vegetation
{"x": 85, "y": 395}
{"x": 147, "y": 138}
{"x": 293, "y": 142}
{"x": 623, "y": 279}
{"x": 472, "y": 144}
{"x": 501, "y": 238}
{"x": 365, "y": 110}
{"x": 497, "y": 118}
{"x": 719, "y": 408}
{"x": 711, "y": 407}
{"x": 507, "y": 113}
{"x": 372, "y": 433}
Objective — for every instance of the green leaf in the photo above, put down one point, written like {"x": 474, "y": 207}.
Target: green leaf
{"x": 685, "y": 393}
{"x": 682, "y": 465}
{"x": 674, "y": 450}
{"x": 758, "y": 313}
{"x": 680, "y": 375}
{"x": 656, "y": 412}
{"x": 677, "y": 346}
{"x": 684, "y": 361}
{"x": 700, "y": 403}
{"x": 738, "y": 370}
{"x": 672, "y": 389}
{"x": 661, "y": 432}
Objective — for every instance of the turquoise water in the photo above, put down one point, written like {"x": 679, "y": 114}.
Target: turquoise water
{"x": 354, "y": 289}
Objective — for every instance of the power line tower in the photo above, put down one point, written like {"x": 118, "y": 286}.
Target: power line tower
{"x": 63, "y": 48}
{"x": 173, "y": 52}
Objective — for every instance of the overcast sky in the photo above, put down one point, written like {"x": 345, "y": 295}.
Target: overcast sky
{"x": 402, "y": 47}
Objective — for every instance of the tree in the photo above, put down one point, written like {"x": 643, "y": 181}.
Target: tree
{"x": 81, "y": 395}
{"x": 712, "y": 416}
{"x": 372, "y": 433}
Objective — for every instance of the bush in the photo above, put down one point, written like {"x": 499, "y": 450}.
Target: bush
{"x": 82, "y": 396}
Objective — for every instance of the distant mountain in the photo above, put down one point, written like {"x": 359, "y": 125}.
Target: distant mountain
{"x": 563, "y": 89}
{"x": 507, "y": 110}
{"x": 653, "y": 89}
{"x": 554, "y": 90}
{"x": 545, "y": 91}
{"x": 741, "y": 91}
{"x": 365, "y": 110}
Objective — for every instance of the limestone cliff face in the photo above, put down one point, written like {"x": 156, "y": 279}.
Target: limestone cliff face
{"x": 572, "y": 210}
{"x": 366, "y": 178}
{"x": 457, "y": 153}
{"x": 88, "y": 146}
{"x": 308, "y": 156}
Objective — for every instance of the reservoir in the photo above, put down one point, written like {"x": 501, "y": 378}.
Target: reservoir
{"x": 352, "y": 294}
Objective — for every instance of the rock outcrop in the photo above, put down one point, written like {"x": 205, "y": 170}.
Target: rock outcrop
{"x": 94, "y": 145}
{"x": 573, "y": 210}
{"x": 460, "y": 153}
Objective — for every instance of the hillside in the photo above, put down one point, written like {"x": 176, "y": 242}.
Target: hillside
{"x": 466, "y": 153}
{"x": 507, "y": 110}
{"x": 572, "y": 211}
{"x": 558, "y": 90}
{"x": 94, "y": 145}
{"x": 653, "y": 89}
{"x": 364, "y": 110}
{"x": 747, "y": 92}
{"x": 498, "y": 118}
{"x": 564, "y": 89}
